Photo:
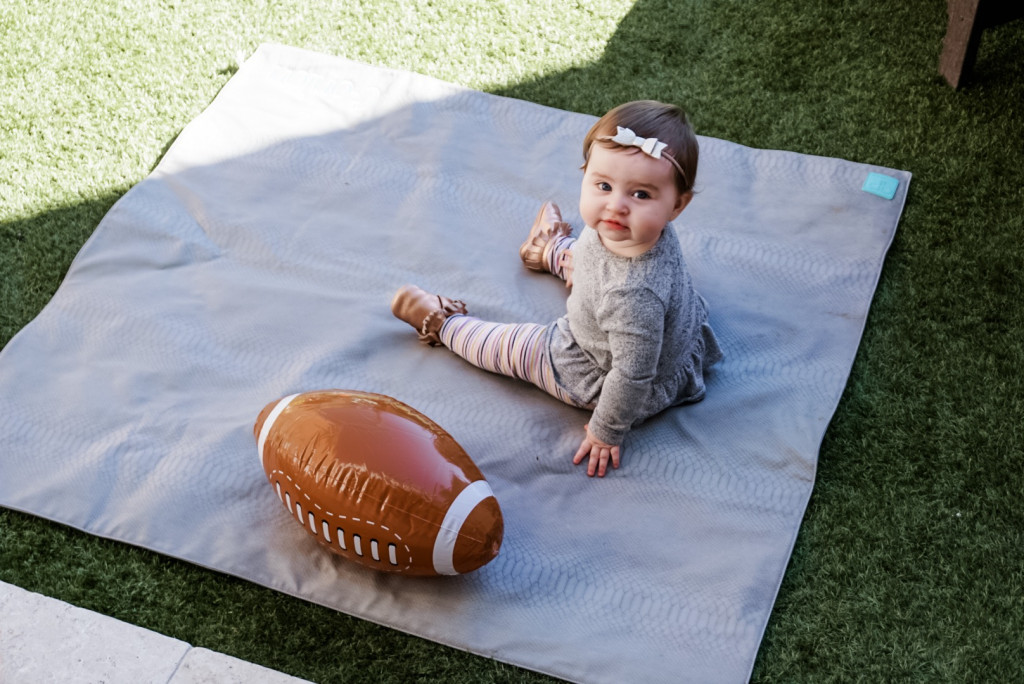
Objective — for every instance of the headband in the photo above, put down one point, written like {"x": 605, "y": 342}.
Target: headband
{"x": 652, "y": 147}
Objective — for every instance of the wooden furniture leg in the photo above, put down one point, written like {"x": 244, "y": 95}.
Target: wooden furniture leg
{"x": 967, "y": 19}
{"x": 960, "y": 46}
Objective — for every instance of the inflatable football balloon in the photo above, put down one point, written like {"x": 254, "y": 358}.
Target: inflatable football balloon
{"x": 379, "y": 483}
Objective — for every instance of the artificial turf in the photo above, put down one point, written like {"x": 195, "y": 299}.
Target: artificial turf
{"x": 910, "y": 562}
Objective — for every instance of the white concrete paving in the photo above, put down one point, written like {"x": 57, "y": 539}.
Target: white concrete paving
{"x": 43, "y": 640}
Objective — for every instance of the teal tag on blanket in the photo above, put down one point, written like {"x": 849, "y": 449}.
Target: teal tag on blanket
{"x": 881, "y": 185}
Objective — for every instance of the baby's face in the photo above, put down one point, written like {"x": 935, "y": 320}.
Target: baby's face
{"x": 628, "y": 197}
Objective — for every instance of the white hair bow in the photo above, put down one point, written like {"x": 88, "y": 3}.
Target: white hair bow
{"x": 628, "y": 138}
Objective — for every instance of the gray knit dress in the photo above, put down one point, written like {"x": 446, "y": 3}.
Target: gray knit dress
{"x": 635, "y": 338}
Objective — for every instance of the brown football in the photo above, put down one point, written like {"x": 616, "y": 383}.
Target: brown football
{"x": 377, "y": 482}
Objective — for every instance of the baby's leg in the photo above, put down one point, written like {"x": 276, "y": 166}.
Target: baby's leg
{"x": 513, "y": 349}
{"x": 557, "y": 258}
{"x": 561, "y": 258}
{"x": 547, "y": 246}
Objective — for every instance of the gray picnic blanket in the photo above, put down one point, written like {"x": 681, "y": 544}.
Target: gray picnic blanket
{"x": 258, "y": 260}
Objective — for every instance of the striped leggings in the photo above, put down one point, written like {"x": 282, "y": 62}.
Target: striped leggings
{"x": 518, "y": 350}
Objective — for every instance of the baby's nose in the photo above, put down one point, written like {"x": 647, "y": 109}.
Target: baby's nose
{"x": 617, "y": 202}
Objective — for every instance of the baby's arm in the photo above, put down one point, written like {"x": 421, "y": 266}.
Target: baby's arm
{"x": 634, "y": 323}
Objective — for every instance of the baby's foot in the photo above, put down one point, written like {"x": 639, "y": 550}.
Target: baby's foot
{"x": 548, "y": 227}
{"x": 424, "y": 311}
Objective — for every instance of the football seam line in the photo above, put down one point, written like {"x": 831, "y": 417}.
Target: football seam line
{"x": 341, "y": 516}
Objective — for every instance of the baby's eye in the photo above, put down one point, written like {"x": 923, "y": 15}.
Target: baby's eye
{"x": 642, "y": 194}
{"x": 604, "y": 186}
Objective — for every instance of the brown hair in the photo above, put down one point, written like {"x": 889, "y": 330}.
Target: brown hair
{"x": 651, "y": 119}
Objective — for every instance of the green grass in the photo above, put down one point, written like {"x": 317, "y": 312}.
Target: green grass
{"x": 910, "y": 562}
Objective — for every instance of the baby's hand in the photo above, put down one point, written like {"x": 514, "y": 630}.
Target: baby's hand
{"x": 599, "y": 452}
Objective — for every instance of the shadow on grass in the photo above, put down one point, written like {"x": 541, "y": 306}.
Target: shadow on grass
{"x": 35, "y": 254}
